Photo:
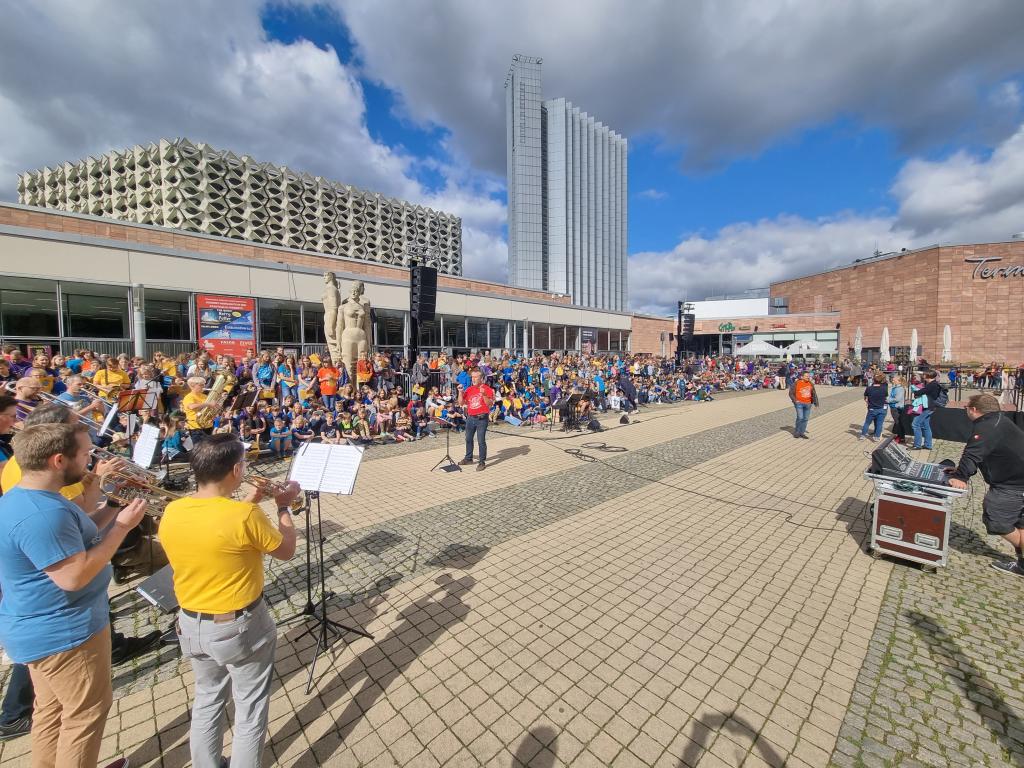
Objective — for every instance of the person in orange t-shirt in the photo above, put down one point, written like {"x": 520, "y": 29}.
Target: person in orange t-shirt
{"x": 804, "y": 396}
{"x": 328, "y": 376}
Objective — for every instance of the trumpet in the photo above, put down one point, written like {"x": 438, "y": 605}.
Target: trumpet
{"x": 268, "y": 487}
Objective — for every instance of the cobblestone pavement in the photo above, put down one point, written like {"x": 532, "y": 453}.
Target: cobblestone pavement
{"x": 941, "y": 684}
{"x": 697, "y": 594}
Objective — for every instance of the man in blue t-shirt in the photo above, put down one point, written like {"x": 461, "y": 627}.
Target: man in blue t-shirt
{"x": 54, "y": 572}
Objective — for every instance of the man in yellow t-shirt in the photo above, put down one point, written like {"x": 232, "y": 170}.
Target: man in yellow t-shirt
{"x": 110, "y": 379}
{"x": 215, "y": 547}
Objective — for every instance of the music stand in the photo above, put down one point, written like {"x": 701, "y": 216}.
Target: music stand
{"x": 452, "y": 465}
{"x": 319, "y": 467}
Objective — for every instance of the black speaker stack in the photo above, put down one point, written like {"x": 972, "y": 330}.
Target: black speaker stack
{"x": 422, "y": 303}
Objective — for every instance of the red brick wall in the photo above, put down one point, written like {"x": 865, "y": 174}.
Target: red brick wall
{"x": 646, "y": 335}
{"x": 926, "y": 290}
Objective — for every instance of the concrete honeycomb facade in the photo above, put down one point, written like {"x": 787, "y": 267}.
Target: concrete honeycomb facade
{"x": 195, "y": 187}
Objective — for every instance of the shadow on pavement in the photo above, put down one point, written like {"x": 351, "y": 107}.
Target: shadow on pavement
{"x": 709, "y": 725}
{"x": 420, "y": 625}
{"x": 970, "y": 542}
{"x": 505, "y": 454}
{"x": 538, "y": 749}
{"x": 462, "y": 556}
{"x": 983, "y": 697}
{"x": 855, "y": 514}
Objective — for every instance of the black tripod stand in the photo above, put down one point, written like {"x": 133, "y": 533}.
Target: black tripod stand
{"x": 449, "y": 464}
{"x": 325, "y": 629}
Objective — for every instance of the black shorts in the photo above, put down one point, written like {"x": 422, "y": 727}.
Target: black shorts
{"x": 1003, "y": 510}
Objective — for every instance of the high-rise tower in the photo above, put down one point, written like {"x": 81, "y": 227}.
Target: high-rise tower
{"x": 567, "y": 192}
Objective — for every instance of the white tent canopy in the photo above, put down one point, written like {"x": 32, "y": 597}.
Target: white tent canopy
{"x": 803, "y": 346}
{"x": 760, "y": 348}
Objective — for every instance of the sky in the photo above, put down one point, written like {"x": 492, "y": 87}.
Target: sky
{"x": 767, "y": 138}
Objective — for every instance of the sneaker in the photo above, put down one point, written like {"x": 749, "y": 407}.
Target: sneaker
{"x": 861, "y": 437}
{"x": 135, "y": 646}
{"x": 481, "y": 466}
{"x": 872, "y": 438}
{"x": 804, "y": 436}
{"x": 1012, "y": 567}
{"x": 466, "y": 462}
{"x": 13, "y": 730}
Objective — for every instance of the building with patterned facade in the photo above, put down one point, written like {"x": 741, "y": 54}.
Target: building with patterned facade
{"x": 195, "y": 187}
{"x": 567, "y": 195}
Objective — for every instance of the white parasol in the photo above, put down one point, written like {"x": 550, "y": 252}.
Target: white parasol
{"x": 804, "y": 346}
{"x": 947, "y": 345}
{"x": 858, "y": 343}
{"x": 913, "y": 345}
{"x": 884, "y": 355}
{"x": 759, "y": 348}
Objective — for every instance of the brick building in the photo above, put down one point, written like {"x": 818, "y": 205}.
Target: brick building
{"x": 978, "y": 290}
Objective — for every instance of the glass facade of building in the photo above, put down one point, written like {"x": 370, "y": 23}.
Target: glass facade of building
{"x": 567, "y": 196}
{"x": 62, "y": 316}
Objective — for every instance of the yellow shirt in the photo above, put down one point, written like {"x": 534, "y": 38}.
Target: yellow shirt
{"x": 108, "y": 378}
{"x": 12, "y": 476}
{"x": 196, "y": 419}
{"x": 215, "y": 548}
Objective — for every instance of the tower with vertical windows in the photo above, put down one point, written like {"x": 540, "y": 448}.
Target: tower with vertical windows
{"x": 567, "y": 192}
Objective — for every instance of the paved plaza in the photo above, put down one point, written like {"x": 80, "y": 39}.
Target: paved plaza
{"x": 689, "y": 589}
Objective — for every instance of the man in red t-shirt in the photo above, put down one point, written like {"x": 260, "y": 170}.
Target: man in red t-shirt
{"x": 477, "y": 399}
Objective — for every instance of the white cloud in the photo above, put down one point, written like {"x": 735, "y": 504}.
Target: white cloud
{"x": 964, "y": 198}
{"x": 81, "y": 77}
{"x": 652, "y": 194}
{"x": 718, "y": 79}
{"x": 751, "y": 255}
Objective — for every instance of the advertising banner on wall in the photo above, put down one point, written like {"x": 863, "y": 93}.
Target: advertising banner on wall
{"x": 227, "y": 324}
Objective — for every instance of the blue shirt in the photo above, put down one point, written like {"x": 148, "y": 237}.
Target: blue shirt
{"x": 38, "y": 618}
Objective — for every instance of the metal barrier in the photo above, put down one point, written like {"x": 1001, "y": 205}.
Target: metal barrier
{"x": 98, "y": 346}
{"x": 169, "y": 348}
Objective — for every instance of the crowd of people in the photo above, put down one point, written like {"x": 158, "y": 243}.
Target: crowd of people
{"x": 60, "y": 525}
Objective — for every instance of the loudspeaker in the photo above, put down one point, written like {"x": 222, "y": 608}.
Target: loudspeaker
{"x": 688, "y": 324}
{"x": 594, "y": 425}
{"x": 423, "y": 293}
{"x": 624, "y": 419}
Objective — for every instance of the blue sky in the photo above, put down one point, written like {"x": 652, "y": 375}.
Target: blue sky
{"x": 768, "y": 139}
{"x": 812, "y": 173}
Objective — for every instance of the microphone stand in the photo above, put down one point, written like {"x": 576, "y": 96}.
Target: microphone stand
{"x": 451, "y": 465}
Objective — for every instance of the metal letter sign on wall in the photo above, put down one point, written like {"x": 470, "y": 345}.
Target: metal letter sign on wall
{"x": 985, "y": 273}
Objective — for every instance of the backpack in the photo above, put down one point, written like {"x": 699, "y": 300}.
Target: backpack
{"x": 942, "y": 399}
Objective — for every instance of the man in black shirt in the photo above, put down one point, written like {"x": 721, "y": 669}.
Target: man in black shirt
{"x": 996, "y": 448}
{"x": 875, "y": 396}
{"x": 922, "y": 423}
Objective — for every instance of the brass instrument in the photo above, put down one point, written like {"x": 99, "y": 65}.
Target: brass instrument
{"x": 268, "y": 487}
{"x": 125, "y": 486}
{"x": 141, "y": 474}
{"x": 216, "y": 395}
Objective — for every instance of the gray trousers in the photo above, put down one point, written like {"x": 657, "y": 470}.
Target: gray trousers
{"x": 234, "y": 658}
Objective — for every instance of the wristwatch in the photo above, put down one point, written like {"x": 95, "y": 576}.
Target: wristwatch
{"x": 284, "y": 508}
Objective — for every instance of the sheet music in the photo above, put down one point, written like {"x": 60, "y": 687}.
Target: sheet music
{"x": 145, "y": 446}
{"x": 326, "y": 468}
{"x": 108, "y": 421}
